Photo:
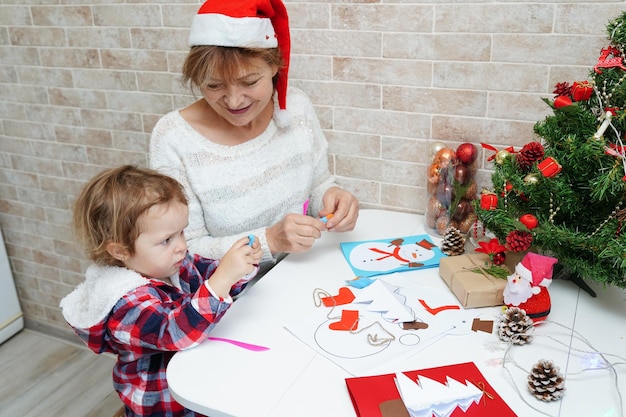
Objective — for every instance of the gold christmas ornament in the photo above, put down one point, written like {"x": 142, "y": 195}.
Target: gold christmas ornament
{"x": 531, "y": 179}
{"x": 502, "y": 156}
{"x": 434, "y": 148}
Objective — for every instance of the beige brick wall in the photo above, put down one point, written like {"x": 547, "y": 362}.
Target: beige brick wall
{"x": 82, "y": 83}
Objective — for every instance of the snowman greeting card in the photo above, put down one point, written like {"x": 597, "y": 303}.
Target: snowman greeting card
{"x": 385, "y": 256}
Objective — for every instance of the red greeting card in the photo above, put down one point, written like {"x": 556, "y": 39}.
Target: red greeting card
{"x": 378, "y": 396}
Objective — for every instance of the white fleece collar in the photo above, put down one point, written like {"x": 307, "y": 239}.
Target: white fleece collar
{"x": 91, "y": 301}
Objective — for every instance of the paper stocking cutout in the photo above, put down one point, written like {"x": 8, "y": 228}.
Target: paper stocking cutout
{"x": 349, "y": 321}
{"x": 345, "y": 296}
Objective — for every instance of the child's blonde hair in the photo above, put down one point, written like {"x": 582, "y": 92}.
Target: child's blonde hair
{"x": 110, "y": 205}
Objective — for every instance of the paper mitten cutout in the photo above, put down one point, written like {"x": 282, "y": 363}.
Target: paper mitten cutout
{"x": 349, "y": 321}
{"x": 345, "y": 296}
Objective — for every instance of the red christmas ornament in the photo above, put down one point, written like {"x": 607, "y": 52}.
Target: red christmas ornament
{"x": 581, "y": 90}
{"x": 467, "y": 153}
{"x": 488, "y": 200}
{"x": 529, "y": 221}
{"x": 549, "y": 167}
{"x": 562, "y": 101}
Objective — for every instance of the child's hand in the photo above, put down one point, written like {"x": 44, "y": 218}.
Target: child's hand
{"x": 240, "y": 260}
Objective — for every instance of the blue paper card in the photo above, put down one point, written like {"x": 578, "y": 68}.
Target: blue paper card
{"x": 384, "y": 256}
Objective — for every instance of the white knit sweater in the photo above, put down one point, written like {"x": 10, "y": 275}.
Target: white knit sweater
{"x": 235, "y": 191}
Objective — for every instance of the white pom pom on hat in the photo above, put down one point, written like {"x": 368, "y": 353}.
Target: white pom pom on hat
{"x": 246, "y": 24}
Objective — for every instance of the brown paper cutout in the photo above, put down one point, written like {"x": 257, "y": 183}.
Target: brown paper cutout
{"x": 482, "y": 325}
{"x": 414, "y": 325}
{"x": 393, "y": 408}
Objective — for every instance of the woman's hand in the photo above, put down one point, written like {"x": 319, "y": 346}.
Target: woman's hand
{"x": 343, "y": 206}
{"x": 294, "y": 233}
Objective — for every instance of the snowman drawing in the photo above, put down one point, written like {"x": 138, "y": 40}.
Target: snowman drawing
{"x": 381, "y": 257}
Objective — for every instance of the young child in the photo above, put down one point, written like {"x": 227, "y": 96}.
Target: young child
{"x": 145, "y": 297}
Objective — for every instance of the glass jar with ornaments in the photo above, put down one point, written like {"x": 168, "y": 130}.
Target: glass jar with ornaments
{"x": 450, "y": 188}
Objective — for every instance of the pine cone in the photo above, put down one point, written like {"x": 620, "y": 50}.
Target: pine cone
{"x": 545, "y": 381}
{"x": 519, "y": 240}
{"x": 529, "y": 154}
{"x": 515, "y": 326}
{"x": 453, "y": 242}
{"x": 562, "y": 89}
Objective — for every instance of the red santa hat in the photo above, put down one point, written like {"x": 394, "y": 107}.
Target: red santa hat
{"x": 246, "y": 24}
{"x": 536, "y": 269}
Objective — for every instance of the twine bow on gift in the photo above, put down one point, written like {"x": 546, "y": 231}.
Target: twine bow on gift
{"x": 481, "y": 386}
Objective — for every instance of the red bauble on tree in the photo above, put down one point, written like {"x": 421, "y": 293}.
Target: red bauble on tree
{"x": 562, "y": 101}
{"x": 529, "y": 221}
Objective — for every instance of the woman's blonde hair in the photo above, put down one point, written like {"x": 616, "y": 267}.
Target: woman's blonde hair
{"x": 208, "y": 61}
{"x": 110, "y": 205}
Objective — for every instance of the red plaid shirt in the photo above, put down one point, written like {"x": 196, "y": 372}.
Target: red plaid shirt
{"x": 146, "y": 326}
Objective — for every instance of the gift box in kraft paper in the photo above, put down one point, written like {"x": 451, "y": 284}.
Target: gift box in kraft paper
{"x": 468, "y": 280}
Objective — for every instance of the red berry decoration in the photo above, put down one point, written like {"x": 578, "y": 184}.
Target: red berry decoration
{"x": 499, "y": 258}
{"x": 562, "y": 89}
{"x": 519, "y": 241}
{"x": 467, "y": 153}
{"x": 529, "y": 221}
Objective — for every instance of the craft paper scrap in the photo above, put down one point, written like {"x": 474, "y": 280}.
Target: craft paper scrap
{"x": 384, "y": 256}
{"x": 383, "y": 325}
{"x": 427, "y": 392}
{"x": 383, "y": 298}
{"x": 425, "y": 397}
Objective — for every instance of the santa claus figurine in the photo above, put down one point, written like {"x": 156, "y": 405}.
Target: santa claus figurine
{"x": 527, "y": 287}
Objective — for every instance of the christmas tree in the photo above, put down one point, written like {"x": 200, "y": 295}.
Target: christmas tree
{"x": 564, "y": 194}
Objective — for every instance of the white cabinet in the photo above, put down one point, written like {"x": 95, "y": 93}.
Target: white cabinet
{"x": 11, "y": 319}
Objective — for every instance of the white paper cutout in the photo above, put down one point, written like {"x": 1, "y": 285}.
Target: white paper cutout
{"x": 381, "y": 297}
{"x": 425, "y": 397}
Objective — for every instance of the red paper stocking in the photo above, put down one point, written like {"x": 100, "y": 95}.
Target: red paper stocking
{"x": 349, "y": 321}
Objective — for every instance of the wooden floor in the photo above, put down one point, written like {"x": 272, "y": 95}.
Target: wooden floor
{"x": 44, "y": 376}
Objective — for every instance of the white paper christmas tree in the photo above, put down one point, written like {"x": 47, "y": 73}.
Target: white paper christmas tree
{"x": 427, "y": 397}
